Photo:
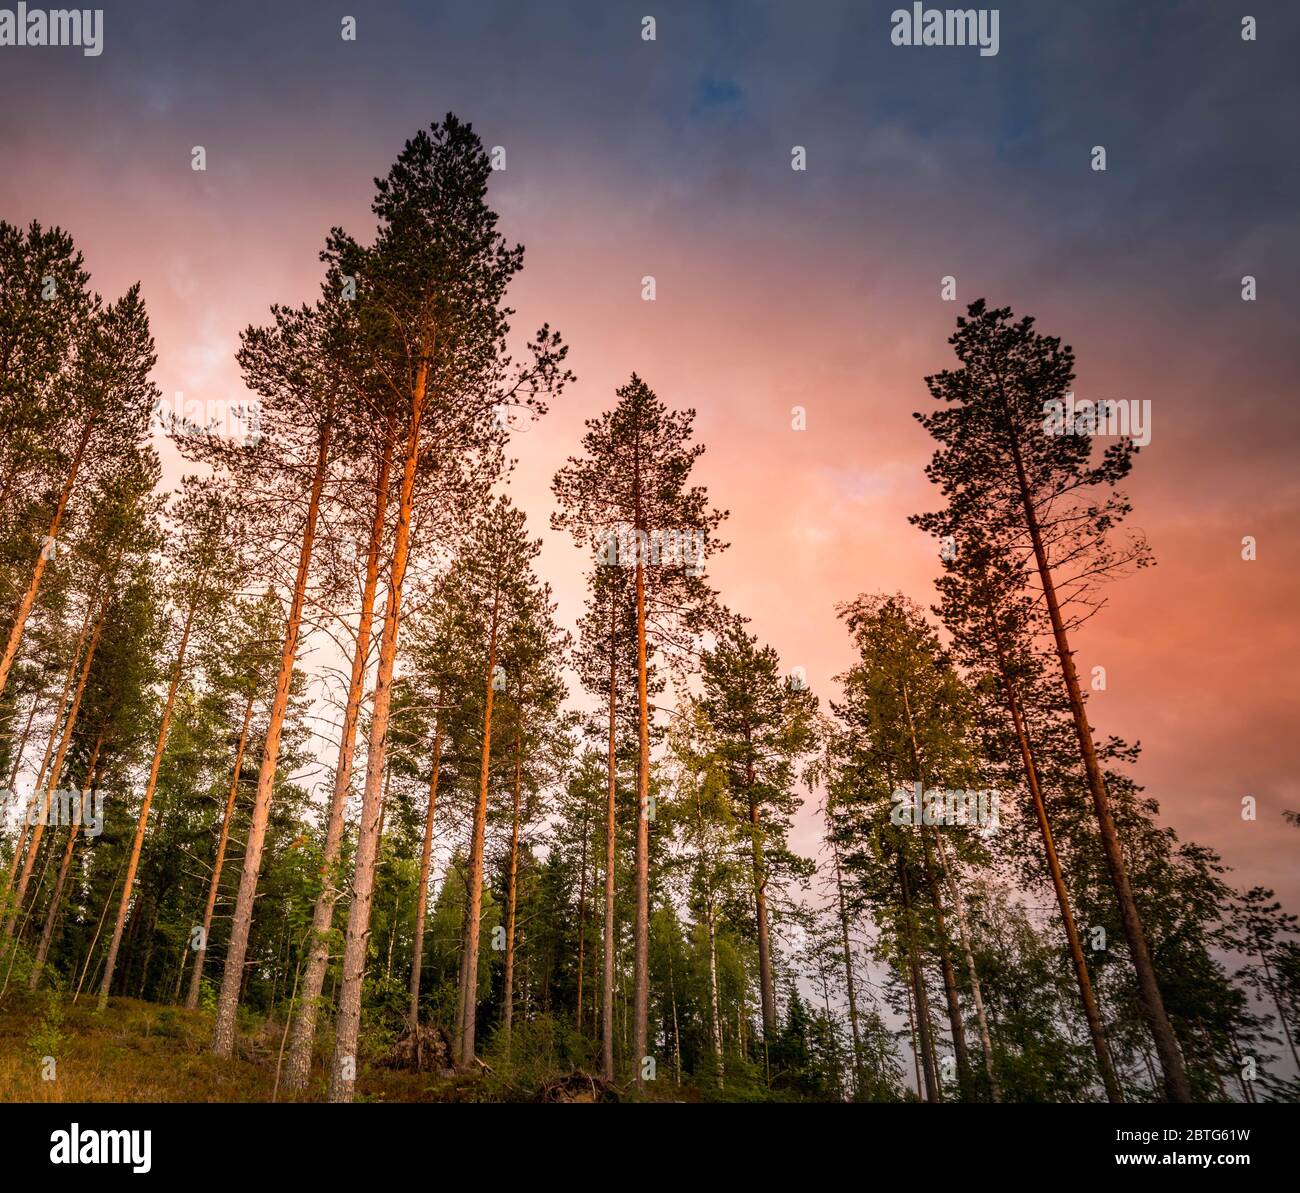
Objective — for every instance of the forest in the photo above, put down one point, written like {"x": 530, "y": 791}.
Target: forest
{"x": 520, "y": 860}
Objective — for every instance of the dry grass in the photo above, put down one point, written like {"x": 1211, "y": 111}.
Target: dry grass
{"x": 142, "y": 1052}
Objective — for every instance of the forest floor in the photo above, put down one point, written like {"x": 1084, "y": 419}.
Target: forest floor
{"x": 145, "y": 1052}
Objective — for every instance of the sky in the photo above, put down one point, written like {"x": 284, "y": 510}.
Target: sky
{"x": 778, "y": 288}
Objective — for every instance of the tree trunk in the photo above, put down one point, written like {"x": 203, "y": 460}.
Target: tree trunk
{"x": 68, "y": 679}
{"x": 582, "y": 918}
{"x": 56, "y": 898}
{"x": 232, "y": 977}
{"x": 297, "y": 1069}
{"x": 1092, "y": 1012}
{"x": 1162, "y": 1032}
{"x": 512, "y": 899}
{"x": 422, "y": 891}
{"x": 348, "y": 1025}
{"x": 848, "y": 976}
{"x": 607, "y": 988}
{"x": 56, "y": 771}
{"x": 475, "y": 907}
{"x": 142, "y": 822}
{"x": 995, "y": 1090}
{"x": 38, "y": 570}
{"x": 932, "y": 1090}
{"x": 214, "y": 883}
{"x": 641, "y": 932}
{"x": 715, "y": 1026}
{"x": 766, "y": 982}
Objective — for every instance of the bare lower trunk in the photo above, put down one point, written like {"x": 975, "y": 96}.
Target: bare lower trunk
{"x": 302, "y": 1041}
{"x": 69, "y": 678}
{"x": 469, "y": 977}
{"x": 715, "y": 1025}
{"x": 607, "y": 988}
{"x": 766, "y": 982}
{"x": 512, "y": 900}
{"x": 232, "y": 977}
{"x": 582, "y": 919}
{"x": 56, "y": 770}
{"x": 977, "y": 994}
{"x": 56, "y": 897}
{"x": 641, "y": 933}
{"x": 348, "y": 1025}
{"x": 214, "y": 883}
{"x": 848, "y": 977}
{"x": 1092, "y": 1012}
{"x": 422, "y": 891}
{"x": 932, "y": 1090}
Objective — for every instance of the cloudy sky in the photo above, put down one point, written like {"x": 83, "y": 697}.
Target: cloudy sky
{"x": 779, "y": 288}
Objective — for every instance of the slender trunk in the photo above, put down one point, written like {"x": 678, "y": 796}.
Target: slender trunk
{"x": 475, "y": 911}
{"x": 56, "y": 771}
{"x": 715, "y": 1026}
{"x": 932, "y": 1091}
{"x": 232, "y": 977}
{"x": 767, "y": 985}
{"x": 22, "y": 741}
{"x": 38, "y": 570}
{"x": 607, "y": 989}
{"x": 56, "y": 897}
{"x": 214, "y": 883}
{"x": 848, "y": 976}
{"x": 1271, "y": 986}
{"x": 908, "y": 990}
{"x": 59, "y": 709}
{"x": 142, "y": 823}
{"x": 582, "y": 917}
{"x": 1162, "y": 1032}
{"x": 977, "y": 994}
{"x": 1091, "y": 1010}
{"x": 348, "y": 1024}
{"x": 302, "y": 1041}
{"x": 422, "y": 891}
{"x": 512, "y": 899}
{"x": 641, "y": 933}
{"x": 955, "y": 1023}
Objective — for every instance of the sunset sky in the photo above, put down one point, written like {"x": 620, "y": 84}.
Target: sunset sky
{"x": 777, "y": 288}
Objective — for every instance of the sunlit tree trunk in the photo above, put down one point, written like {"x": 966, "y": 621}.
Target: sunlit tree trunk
{"x": 297, "y": 1068}
{"x": 232, "y": 977}
{"x": 607, "y": 987}
{"x": 422, "y": 891}
{"x": 641, "y": 931}
{"x": 348, "y": 1024}
{"x": 28, "y": 598}
{"x": 475, "y": 905}
{"x": 512, "y": 900}
{"x": 69, "y": 678}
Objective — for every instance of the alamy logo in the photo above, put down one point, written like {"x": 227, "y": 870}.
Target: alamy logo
{"x": 946, "y": 27}
{"x": 1129, "y": 419}
{"x": 76, "y": 1146}
{"x": 61, "y": 807}
{"x": 945, "y": 806}
{"x": 82, "y": 27}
